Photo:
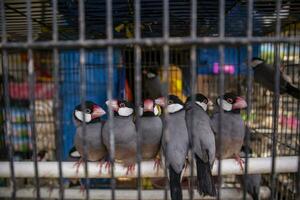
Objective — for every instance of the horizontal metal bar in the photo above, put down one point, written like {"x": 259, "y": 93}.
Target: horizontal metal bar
{"x": 227, "y": 193}
{"x": 148, "y": 42}
{"x": 229, "y": 166}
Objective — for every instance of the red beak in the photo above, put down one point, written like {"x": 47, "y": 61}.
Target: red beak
{"x": 240, "y": 103}
{"x": 148, "y": 105}
{"x": 97, "y": 112}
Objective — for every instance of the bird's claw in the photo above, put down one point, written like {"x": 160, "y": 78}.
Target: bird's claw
{"x": 82, "y": 189}
{"x": 130, "y": 169}
{"x": 77, "y": 165}
{"x": 157, "y": 164}
{"x": 240, "y": 161}
{"x": 107, "y": 166}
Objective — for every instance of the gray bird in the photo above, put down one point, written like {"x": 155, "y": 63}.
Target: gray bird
{"x": 233, "y": 128}
{"x": 151, "y": 85}
{"x": 96, "y": 150}
{"x": 151, "y": 129}
{"x": 264, "y": 74}
{"x": 176, "y": 144}
{"x": 124, "y": 132}
{"x": 204, "y": 148}
{"x": 253, "y": 181}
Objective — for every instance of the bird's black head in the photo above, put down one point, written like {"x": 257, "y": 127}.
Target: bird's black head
{"x": 256, "y": 61}
{"x": 200, "y": 100}
{"x": 174, "y": 104}
{"x": 231, "y": 102}
{"x": 149, "y": 108}
{"x": 121, "y": 108}
{"x": 91, "y": 113}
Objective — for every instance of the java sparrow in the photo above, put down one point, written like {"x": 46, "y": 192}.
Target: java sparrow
{"x": 201, "y": 134}
{"x": 124, "y": 133}
{"x": 264, "y": 74}
{"x": 151, "y": 84}
{"x": 175, "y": 144}
{"x": 253, "y": 181}
{"x": 233, "y": 128}
{"x": 151, "y": 130}
{"x": 96, "y": 150}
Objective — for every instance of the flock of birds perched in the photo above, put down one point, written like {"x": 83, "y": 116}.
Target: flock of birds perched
{"x": 189, "y": 128}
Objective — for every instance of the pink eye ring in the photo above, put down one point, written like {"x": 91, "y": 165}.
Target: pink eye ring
{"x": 229, "y": 100}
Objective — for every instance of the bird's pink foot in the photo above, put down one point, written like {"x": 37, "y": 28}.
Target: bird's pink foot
{"x": 130, "y": 169}
{"x": 107, "y": 166}
{"x": 82, "y": 189}
{"x": 100, "y": 164}
{"x": 240, "y": 161}
{"x": 77, "y": 164}
{"x": 157, "y": 164}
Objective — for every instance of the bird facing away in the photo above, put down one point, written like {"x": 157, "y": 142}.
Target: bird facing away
{"x": 253, "y": 181}
{"x": 96, "y": 150}
{"x": 176, "y": 144}
{"x": 232, "y": 129}
{"x": 264, "y": 74}
{"x": 151, "y": 84}
{"x": 151, "y": 130}
{"x": 124, "y": 133}
{"x": 202, "y": 136}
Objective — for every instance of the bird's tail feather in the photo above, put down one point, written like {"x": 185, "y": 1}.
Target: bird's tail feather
{"x": 175, "y": 184}
{"x": 205, "y": 180}
{"x": 255, "y": 195}
{"x": 293, "y": 91}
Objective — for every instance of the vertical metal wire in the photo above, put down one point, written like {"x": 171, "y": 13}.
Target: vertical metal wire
{"x": 221, "y": 88}
{"x": 56, "y": 102}
{"x": 165, "y": 81}
{"x": 193, "y": 62}
{"x": 31, "y": 79}
{"x": 109, "y": 35}
{"x": 8, "y": 128}
{"x": 276, "y": 102}
{"x": 137, "y": 83}
{"x": 249, "y": 94}
{"x": 82, "y": 74}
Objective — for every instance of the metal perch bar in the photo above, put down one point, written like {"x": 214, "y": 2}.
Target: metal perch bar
{"x": 226, "y": 193}
{"x": 229, "y": 166}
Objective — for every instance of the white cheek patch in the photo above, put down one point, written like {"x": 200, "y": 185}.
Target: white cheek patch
{"x": 79, "y": 115}
{"x": 201, "y": 104}
{"x": 125, "y": 112}
{"x": 174, "y": 108}
{"x": 226, "y": 106}
{"x": 75, "y": 154}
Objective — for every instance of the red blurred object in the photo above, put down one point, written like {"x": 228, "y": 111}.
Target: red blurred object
{"x": 20, "y": 91}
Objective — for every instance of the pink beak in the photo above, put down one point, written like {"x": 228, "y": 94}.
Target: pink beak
{"x": 148, "y": 105}
{"x": 240, "y": 103}
{"x": 97, "y": 112}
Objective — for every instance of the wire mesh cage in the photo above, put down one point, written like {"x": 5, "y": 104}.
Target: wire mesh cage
{"x": 57, "y": 55}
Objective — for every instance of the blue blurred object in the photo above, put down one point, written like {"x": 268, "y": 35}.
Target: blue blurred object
{"x": 233, "y": 56}
{"x": 96, "y": 85}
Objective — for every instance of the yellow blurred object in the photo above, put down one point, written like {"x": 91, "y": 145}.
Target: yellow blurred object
{"x": 119, "y": 28}
{"x": 175, "y": 82}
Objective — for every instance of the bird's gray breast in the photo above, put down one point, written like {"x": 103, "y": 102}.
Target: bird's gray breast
{"x": 93, "y": 141}
{"x": 176, "y": 143}
{"x": 201, "y": 134}
{"x": 151, "y": 132}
